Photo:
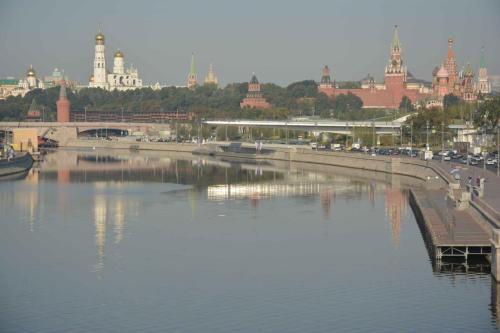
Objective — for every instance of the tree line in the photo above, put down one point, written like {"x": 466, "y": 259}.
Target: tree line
{"x": 207, "y": 101}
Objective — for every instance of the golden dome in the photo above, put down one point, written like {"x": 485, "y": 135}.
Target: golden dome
{"x": 99, "y": 37}
{"x": 31, "y": 71}
{"x": 118, "y": 54}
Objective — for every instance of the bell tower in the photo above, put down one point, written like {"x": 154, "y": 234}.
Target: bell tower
{"x": 99, "y": 63}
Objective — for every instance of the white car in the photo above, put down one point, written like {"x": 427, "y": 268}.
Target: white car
{"x": 447, "y": 158}
{"x": 491, "y": 161}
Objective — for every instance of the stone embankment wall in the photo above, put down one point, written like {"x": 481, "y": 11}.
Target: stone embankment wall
{"x": 131, "y": 145}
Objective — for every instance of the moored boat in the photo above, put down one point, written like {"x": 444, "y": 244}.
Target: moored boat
{"x": 16, "y": 165}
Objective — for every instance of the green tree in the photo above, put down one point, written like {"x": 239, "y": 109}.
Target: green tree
{"x": 450, "y": 100}
{"x": 406, "y": 105}
{"x": 344, "y": 105}
{"x": 488, "y": 113}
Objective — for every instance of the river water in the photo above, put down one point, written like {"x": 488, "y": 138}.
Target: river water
{"x": 102, "y": 241}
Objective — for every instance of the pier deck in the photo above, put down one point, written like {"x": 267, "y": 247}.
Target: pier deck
{"x": 449, "y": 232}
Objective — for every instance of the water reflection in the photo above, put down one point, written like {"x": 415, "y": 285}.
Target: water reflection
{"x": 120, "y": 186}
{"x": 100, "y": 215}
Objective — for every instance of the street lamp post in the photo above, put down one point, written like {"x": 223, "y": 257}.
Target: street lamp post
{"x": 411, "y": 138}
{"x": 498, "y": 149}
{"x": 427, "y": 134}
{"x": 373, "y": 133}
{"x": 442, "y": 141}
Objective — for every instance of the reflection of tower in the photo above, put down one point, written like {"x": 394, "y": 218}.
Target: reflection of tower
{"x": 325, "y": 196}
{"x": 394, "y": 206}
{"x": 371, "y": 192}
{"x": 119, "y": 219}
{"x": 100, "y": 212}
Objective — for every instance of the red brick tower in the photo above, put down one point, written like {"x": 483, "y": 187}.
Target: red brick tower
{"x": 254, "y": 97}
{"x": 63, "y": 104}
{"x": 325, "y": 85}
{"x": 395, "y": 72}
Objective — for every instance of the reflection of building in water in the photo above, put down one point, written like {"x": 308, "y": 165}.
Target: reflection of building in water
{"x": 395, "y": 205}
{"x": 269, "y": 190}
{"x": 24, "y": 201}
{"x": 371, "y": 192}
{"x": 325, "y": 197}
{"x": 100, "y": 212}
{"x": 119, "y": 219}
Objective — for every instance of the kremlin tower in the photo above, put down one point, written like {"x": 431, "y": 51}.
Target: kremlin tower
{"x": 483, "y": 85}
{"x": 63, "y": 104}
{"x": 192, "y": 78}
{"x": 99, "y": 77}
{"x": 395, "y": 72}
{"x": 211, "y": 78}
{"x": 254, "y": 97}
{"x": 325, "y": 85}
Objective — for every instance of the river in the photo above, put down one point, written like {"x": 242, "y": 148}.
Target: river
{"x": 118, "y": 241}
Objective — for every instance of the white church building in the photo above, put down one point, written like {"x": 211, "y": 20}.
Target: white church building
{"x": 120, "y": 79}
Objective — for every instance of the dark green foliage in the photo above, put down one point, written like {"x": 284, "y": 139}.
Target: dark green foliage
{"x": 450, "y": 100}
{"x": 488, "y": 113}
{"x": 406, "y": 105}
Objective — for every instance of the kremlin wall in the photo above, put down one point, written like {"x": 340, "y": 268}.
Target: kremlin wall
{"x": 398, "y": 82}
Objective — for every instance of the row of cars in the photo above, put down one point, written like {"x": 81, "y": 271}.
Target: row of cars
{"x": 472, "y": 159}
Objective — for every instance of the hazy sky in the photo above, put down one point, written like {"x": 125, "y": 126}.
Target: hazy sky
{"x": 281, "y": 41}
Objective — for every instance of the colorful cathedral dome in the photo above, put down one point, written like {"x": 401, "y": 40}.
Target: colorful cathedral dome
{"x": 442, "y": 72}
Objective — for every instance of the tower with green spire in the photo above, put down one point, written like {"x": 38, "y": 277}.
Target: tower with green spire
{"x": 483, "y": 84}
{"x": 192, "y": 77}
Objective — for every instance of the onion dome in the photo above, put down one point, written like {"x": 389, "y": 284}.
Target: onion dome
{"x": 468, "y": 71}
{"x": 254, "y": 79}
{"x": 99, "y": 38}
{"x": 118, "y": 54}
{"x": 31, "y": 72}
{"x": 443, "y": 73}
{"x": 435, "y": 71}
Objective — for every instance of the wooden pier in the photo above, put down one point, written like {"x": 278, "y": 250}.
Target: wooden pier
{"x": 448, "y": 232}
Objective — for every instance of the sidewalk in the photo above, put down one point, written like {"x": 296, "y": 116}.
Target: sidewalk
{"x": 492, "y": 183}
